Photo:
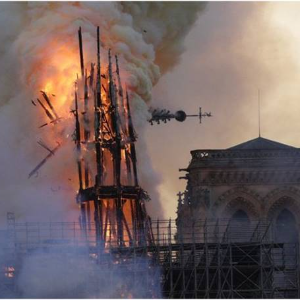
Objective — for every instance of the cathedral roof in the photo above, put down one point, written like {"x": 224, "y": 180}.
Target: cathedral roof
{"x": 261, "y": 144}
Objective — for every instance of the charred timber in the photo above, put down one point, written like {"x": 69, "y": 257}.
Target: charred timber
{"x": 117, "y": 148}
{"x": 51, "y": 153}
{"x": 47, "y": 99}
{"x": 115, "y": 124}
{"x": 81, "y": 52}
{"x": 98, "y": 115}
{"x": 77, "y": 140}
{"x": 132, "y": 137}
{"x": 86, "y": 128}
{"x": 112, "y": 192}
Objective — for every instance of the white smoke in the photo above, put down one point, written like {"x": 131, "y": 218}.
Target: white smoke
{"x": 39, "y": 50}
{"x": 70, "y": 272}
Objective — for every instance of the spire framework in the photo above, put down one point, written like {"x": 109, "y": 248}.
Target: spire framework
{"x": 107, "y": 170}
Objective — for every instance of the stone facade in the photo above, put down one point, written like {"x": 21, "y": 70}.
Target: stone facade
{"x": 258, "y": 179}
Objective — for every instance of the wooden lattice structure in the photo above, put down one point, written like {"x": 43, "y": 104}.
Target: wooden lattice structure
{"x": 109, "y": 192}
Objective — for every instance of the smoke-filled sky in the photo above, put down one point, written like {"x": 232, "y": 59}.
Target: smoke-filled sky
{"x": 39, "y": 51}
{"x": 235, "y": 49}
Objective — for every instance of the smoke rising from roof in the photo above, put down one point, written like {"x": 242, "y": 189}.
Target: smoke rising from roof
{"x": 39, "y": 51}
{"x": 234, "y": 49}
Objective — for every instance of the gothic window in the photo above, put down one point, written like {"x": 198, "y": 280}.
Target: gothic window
{"x": 286, "y": 227}
{"x": 240, "y": 216}
{"x": 239, "y": 226}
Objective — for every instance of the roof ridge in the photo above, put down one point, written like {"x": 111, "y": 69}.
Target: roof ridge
{"x": 261, "y": 143}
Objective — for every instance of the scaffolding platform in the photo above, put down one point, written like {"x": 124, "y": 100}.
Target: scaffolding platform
{"x": 210, "y": 260}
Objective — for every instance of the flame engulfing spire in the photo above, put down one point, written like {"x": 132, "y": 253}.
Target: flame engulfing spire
{"x": 107, "y": 157}
{"x": 39, "y": 52}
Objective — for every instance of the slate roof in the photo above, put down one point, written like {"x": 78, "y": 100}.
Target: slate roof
{"x": 261, "y": 144}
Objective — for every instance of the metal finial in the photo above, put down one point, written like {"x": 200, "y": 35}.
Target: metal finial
{"x": 259, "y": 112}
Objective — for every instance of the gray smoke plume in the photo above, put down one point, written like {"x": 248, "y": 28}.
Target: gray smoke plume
{"x": 39, "y": 51}
{"x": 65, "y": 272}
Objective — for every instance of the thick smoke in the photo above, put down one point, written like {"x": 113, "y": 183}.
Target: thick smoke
{"x": 67, "y": 268}
{"x": 39, "y": 51}
{"x": 69, "y": 272}
{"x": 235, "y": 49}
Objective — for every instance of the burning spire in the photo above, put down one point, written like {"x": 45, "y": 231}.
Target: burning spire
{"x": 113, "y": 195}
{"x": 106, "y": 156}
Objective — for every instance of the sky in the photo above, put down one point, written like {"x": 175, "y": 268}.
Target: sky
{"x": 234, "y": 50}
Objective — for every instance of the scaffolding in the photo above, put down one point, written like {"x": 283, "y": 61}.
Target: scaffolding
{"x": 211, "y": 259}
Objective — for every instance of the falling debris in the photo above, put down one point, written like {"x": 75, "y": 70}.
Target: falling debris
{"x": 45, "y": 147}
{"x": 49, "y": 115}
{"x": 49, "y": 104}
{"x": 51, "y": 153}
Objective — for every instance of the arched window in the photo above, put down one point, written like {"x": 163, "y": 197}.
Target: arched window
{"x": 239, "y": 226}
{"x": 240, "y": 216}
{"x": 286, "y": 227}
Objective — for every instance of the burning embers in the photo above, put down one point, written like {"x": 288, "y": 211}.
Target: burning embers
{"x": 9, "y": 272}
{"x": 106, "y": 155}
